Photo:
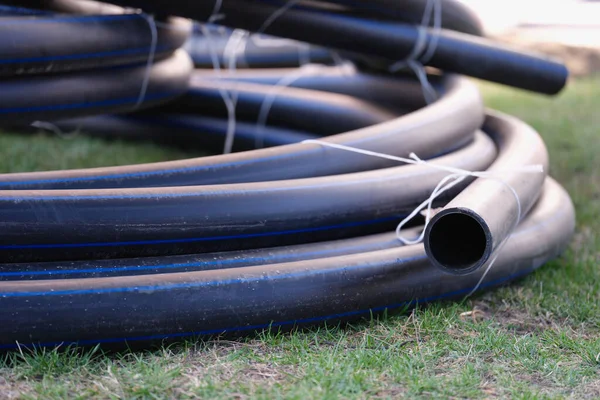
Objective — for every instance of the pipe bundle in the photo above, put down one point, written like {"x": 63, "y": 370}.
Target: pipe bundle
{"x": 296, "y": 225}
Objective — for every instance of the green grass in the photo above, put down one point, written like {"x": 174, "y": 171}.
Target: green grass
{"x": 46, "y": 151}
{"x": 538, "y": 338}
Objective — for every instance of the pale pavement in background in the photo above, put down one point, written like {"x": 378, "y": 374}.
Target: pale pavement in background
{"x": 569, "y": 22}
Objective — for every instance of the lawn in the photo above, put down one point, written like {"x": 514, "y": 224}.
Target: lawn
{"x": 538, "y": 338}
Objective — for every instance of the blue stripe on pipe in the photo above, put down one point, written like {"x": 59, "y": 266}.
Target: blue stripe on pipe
{"x": 142, "y": 174}
{"x": 190, "y": 285}
{"x": 170, "y": 171}
{"x": 20, "y": 11}
{"x": 182, "y": 265}
{"x": 191, "y": 240}
{"x": 139, "y": 50}
{"x": 404, "y": 304}
{"x": 71, "y": 19}
{"x": 261, "y": 260}
{"x": 103, "y": 103}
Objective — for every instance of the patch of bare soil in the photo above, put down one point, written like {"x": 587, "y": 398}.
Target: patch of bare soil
{"x": 12, "y": 389}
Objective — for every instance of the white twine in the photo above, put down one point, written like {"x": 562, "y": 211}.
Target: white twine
{"x": 306, "y": 69}
{"x": 49, "y": 126}
{"x": 276, "y": 14}
{"x": 455, "y": 177}
{"x": 214, "y": 15}
{"x": 151, "y": 54}
{"x": 228, "y": 99}
{"x": 282, "y": 84}
{"x": 237, "y": 46}
{"x": 423, "y": 49}
{"x": 235, "y": 49}
{"x": 421, "y": 53}
{"x": 230, "y": 56}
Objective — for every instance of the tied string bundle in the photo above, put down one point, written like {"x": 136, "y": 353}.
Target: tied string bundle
{"x": 342, "y": 182}
{"x": 235, "y": 48}
{"x": 455, "y": 177}
{"x": 421, "y": 53}
{"x": 424, "y": 50}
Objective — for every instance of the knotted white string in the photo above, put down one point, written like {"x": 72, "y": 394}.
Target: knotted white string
{"x": 455, "y": 177}
{"x": 282, "y": 84}
{"x": 228, "y": 99}
{"x": 235, "y": 47}
{"x": 423, "y": 49}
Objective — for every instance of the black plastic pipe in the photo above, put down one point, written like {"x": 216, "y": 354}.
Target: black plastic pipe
{"x": 454, "y": 52}
{"x": 461, "y": 237}
{"x": 183, "y": 131}
{"x": 259, "y": 51}
{"x": 435, "y": 129}
{"x": 26, "y": 99}
{"x": 72, "y": 36}
{"x": 455, "y": 15}
{"x": 118, "y": 310}
{"x": 285, "y": 236}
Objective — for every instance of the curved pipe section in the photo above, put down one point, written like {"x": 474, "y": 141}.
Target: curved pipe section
{"x": 289, "y": 235}
{"x": 392, "y": 41}
{"x": 462, "y": 237}
{"x": 115, "y": 310}
{"x": 70, "y": 35}
{"x": 429, "y": 131}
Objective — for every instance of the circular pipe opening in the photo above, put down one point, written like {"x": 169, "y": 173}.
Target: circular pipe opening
{"x": 457, "y": 241}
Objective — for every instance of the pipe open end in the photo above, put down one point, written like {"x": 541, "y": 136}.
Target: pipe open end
{"x": 458, "y": 241}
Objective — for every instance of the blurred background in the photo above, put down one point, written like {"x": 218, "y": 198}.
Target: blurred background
{"x": 568, "y": 29}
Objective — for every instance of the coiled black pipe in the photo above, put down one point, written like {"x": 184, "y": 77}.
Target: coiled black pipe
{"x": 237, "y": 299}
{"x": 288, "y": 235}
{"x": 74, "y": 58}
{"x": 58, "y": 42}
